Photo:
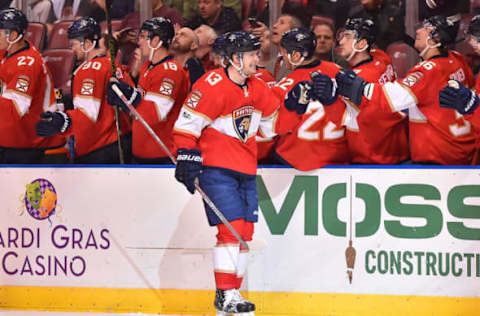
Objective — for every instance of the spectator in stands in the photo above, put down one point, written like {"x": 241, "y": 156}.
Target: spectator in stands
{"x": 388, "y": 18}
{"x": 206, "y": 37}
{"x": 291, "y": 17}
{"x": 428, "y": 8}
{"x": 159, "y": 8}
{"x": 213, "y": 13}
{"x": 96, "y": 9}
{"x": 40, "y": 11}
{"x": 325, "y": 49}
{"x": 189, "y": 7}
{"x": 184, "y": 45}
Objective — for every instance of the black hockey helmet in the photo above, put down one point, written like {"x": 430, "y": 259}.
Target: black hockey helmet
{"x": 474, "y": 27}
{"x": 85, "y": 27}
{"x": 160, "y": 27}
{"x": 218, "y": 46}
{"x": 444, "y": 30}
{"x": 363, "y": 29}
{"x": 240, "y": 42}
{"x": 301, "y": 40}
{"x": 13, "y": 19}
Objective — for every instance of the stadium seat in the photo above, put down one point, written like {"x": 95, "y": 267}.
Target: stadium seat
{"x": 246, "y": 8}
{"x": 261, "y": 4}
{"x": 59, "y": 37}
{"x": 402, "y": 56}
{"x": 116, "y": 24}
{"x": 60, "y": 62}
{"x": 317, "y": 19}
{"x": 36, "y": 33}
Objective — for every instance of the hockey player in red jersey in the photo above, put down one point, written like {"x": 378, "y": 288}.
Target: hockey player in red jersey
{"x": 26, "y": 90}
{"x": 91, "y": 122}
{"x": 373, "y": 136}
{"x": 316, "y": 140}
{"x": 456, "y": 95}
{"x": 215, "y": 135}
{"x": 163, "y": 84}
{"x": 437, "y": 135}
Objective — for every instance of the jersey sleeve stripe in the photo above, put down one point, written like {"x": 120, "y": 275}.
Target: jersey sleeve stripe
{"x": 398, "y": 96}
{"x": 191, "y": 122}
{"x": 22, "y": 101}
{"x": 89, "y": 105}
{"x": 267, "y": 125}
{"x": 162, "y": 103}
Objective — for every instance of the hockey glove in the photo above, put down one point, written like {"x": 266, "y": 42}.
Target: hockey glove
{"x": 457, "y": 96}
{"x": 52, "y": 123}
{"x": 324, "y": 88}
{"x": 189, "y": 166}
{"x": 132, "y": 94}
{"x": 299, "y": 97}
{"x": 350, "y": 85}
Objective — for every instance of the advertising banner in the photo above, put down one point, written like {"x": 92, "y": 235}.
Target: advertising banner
{"x": 336, "y": 241}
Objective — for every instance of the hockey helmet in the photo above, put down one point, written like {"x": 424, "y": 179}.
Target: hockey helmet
{"x": 85, "y": 27}
{"x": 240, "y": 42}
{"x": 363, "y": 29}
{"x": 218, "y": 46}
{"x": 301, "y": 40}
{"x": 13, "y": 19}
{"x": 474, "y": 27}
{"x": 160, "y": 27}
{"x": 444, "y": 31}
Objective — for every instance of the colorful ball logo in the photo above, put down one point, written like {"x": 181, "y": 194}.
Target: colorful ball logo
{"x": 40, "y": 199}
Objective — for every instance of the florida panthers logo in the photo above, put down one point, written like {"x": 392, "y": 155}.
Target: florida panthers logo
{"x": 242, "y": 118}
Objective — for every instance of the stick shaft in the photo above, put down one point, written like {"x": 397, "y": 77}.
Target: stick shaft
{"x": 165, "y": 149}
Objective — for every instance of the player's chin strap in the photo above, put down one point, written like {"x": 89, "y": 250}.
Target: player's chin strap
{"x": 354, "y": 50}
{"x": 86, "y": 51}
{"x": 10, "y": 43}
{"x": 428, "y": 46}
{"x": 153, "y": 49}
{"x": 238, "y": 68}
{"x": 289, "y": 57}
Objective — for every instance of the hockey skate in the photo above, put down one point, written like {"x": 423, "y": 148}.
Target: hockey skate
{"x": 230, "y": 302}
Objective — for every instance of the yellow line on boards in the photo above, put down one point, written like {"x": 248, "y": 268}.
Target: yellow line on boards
{"x": 200, "y": 302}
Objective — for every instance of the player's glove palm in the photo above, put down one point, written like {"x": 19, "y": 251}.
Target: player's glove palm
{"x": 299, "y": 97}
{"x": 133, "y": 95}
{"x": 324, "y": 88}
{"x": 189, "y": 167}
{"x": 350, "y": 85}
{"x": 457, "y": 96}
{"x": 52, "y": 123}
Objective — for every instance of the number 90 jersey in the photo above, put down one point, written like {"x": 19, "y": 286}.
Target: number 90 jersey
{"x": 221, "y": 119}
{"x": 316, "y": 140}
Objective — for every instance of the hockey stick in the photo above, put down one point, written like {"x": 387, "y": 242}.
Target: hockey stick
{"x": 165, "y": 149}
{"x": 111, "y": 46}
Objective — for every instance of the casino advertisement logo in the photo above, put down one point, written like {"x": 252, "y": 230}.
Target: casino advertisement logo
{"x": 54, "y": 250}
{"x": 40, "y": 200}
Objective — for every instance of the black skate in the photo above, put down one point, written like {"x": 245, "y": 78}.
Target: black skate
{"x": 231, "y": 302}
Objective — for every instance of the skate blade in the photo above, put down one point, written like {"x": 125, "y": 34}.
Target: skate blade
{"x": 220, "y": 313}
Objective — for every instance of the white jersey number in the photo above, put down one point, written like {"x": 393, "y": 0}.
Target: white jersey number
{"x": 25, "y": 60}
{"x": 330, "y": 131}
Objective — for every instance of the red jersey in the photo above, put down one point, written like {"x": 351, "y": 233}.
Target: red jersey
{"x": 93, "y": 120}
{"x": 265, "y": 144}
{"x": 437, "y": 135}
{"x": 164, "y": 86}
{"x": 221, "y": 119}
{"x": 26, "y": 90}
{"x": 474, "y": 118}
{"x": 316, "y": 140}
{"x": 378, "y": 137}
